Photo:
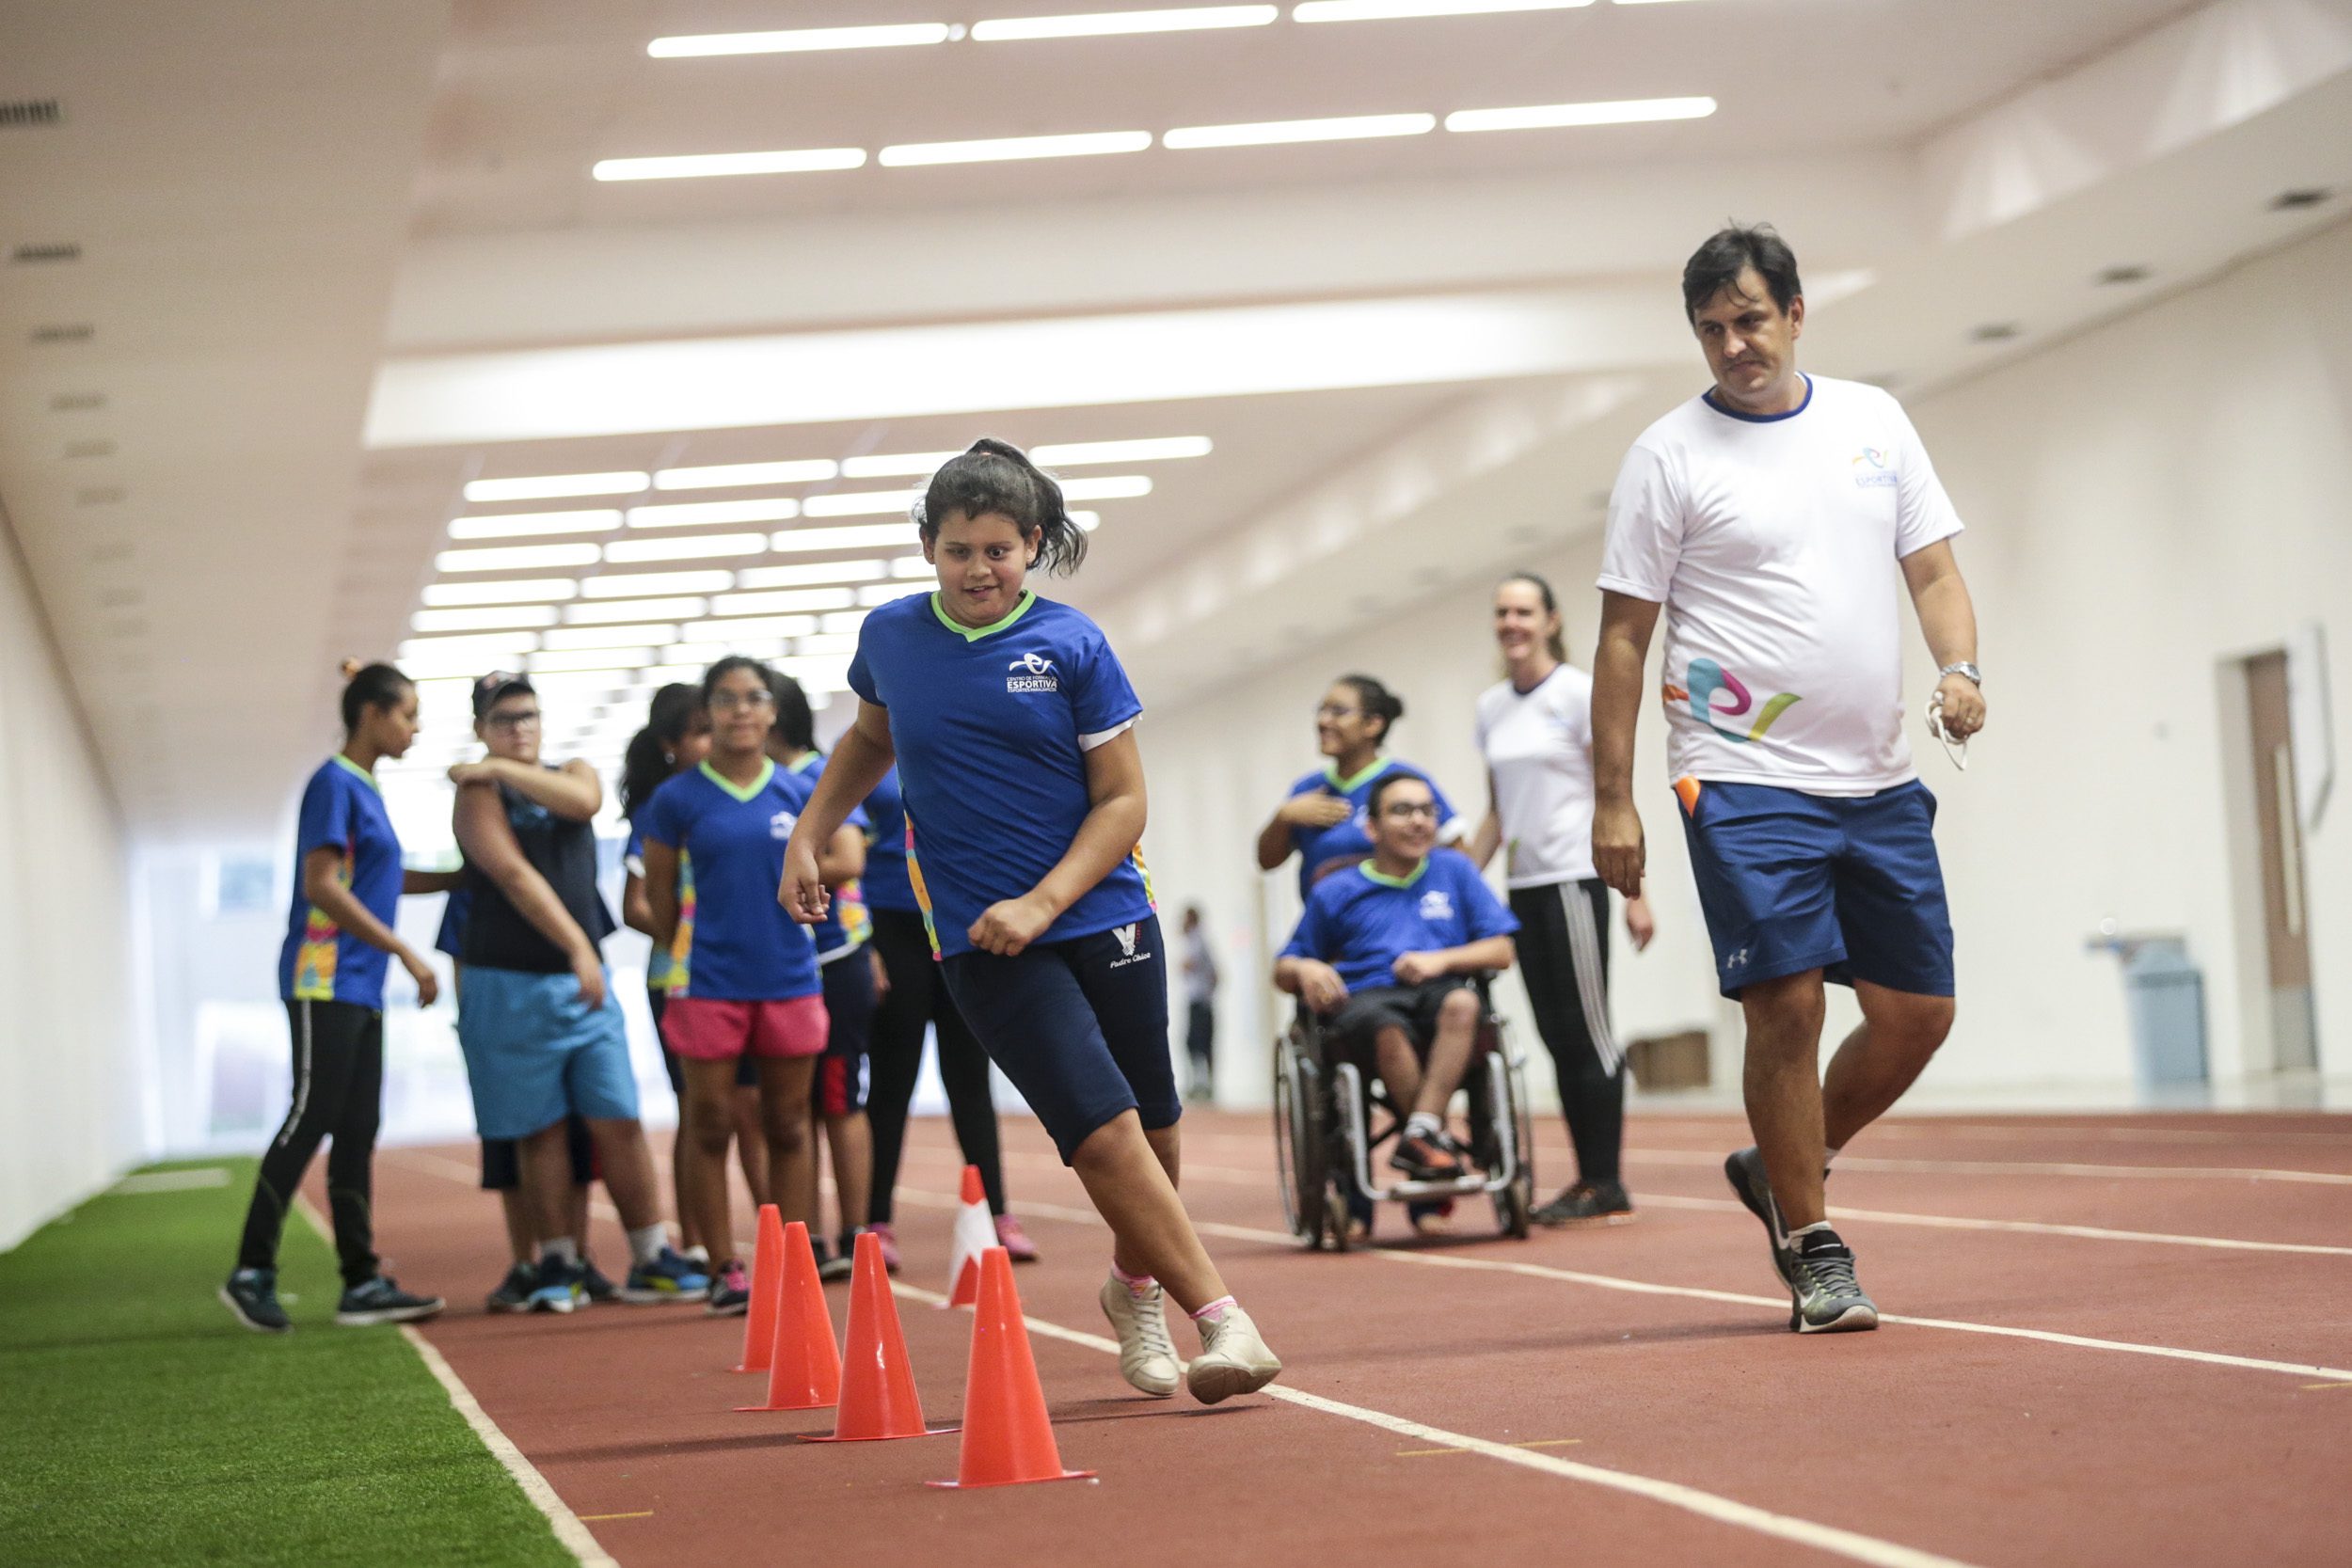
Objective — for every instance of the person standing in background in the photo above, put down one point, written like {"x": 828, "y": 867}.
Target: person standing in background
{"x": 1199, "y": 1007}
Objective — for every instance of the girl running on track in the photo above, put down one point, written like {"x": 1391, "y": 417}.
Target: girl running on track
{"x": 1535, "y": 731}
{"x": 339, "y": 941}
{"x": 1013, "y": 724}
{"x": 1322, "y": 821}
{"x": 674, "y": 741}
{"x": 750, "y": 984}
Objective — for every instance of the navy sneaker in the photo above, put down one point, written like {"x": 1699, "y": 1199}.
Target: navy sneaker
{"x": 514, "y": 1291}
{"x": 670, "y": 1276}
{"x": 832, "y": 1265}
{"x": 562, "y": 1286}
{"x": 382, "y": 1301}
{"x": 252, "y": 1295}
{"x": 601, "y": 1292}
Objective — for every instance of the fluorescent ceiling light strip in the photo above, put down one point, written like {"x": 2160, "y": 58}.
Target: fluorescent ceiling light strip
{"x": 817, "y": 571}
{"x": 996, "y": 149}
{"x": 470, "y": 647}
{"x": 608, "y": 637}
{"x": 514, "y": 558}
{"x": 774, "y": 509}
{"x": 633, "y": 609}
{"x": 632, "y": 584}
{"x": 1087, "y": 522}
{"x": 722, "y": 476}
{"x": 1104, "y": 23}
{"x": 620, "y": 661}
{"x": 707, "y": 166}
{"x": 1545, "y": 116}
{"x": 896, "y": 464}
{"x": 913, "y": 566}
{"x": 522, "y": 525}
{"x": 1116, "y": 488}
{"x": 711, "y": 652}
{"x": 517, "y": 591}
{"x": 795, "y": 600}
{"x": 554, "y": 487}
{"x": 1383, "y": 11}
{"x": 489, "y": 618}
{"x": 800, "y": 40}
{"x": 859, "y": 503}
{"x": 840, "y": 645}
{"x": 847, "y": 622}
{"x": 1276, "y": 133}
{"x": 705, "y": 548}
{"x": 866, "y": 538}
{"x": 1071, "y": 454}
{"x": 882, "y": 593}
{"x": 752, "y": 628}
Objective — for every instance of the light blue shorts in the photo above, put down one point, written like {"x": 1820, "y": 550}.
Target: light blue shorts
{"x": 536, "y": 1052}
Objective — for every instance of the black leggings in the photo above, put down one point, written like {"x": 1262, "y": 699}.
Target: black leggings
{"x": 918, "y": 997}
{"x": 1564, "y": 958}
{"x": 338, "y": 1094}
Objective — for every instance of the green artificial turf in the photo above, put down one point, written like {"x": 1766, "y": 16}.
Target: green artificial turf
{"x": 139, "y": 1424}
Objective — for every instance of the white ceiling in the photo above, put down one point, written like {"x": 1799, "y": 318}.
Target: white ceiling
{"x": 1390, "y": 342}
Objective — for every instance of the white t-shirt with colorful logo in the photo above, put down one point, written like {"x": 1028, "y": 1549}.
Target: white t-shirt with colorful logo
{"x": 1772, "y": 541}
{"x": 1539, "y": 746}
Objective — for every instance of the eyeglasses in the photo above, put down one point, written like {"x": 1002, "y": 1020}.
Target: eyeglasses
{"x": 1412, "y": 808}
{"x": 727, "y": 702}
{"x": 1333, "y": 710}
{"x": 511, "y": 722}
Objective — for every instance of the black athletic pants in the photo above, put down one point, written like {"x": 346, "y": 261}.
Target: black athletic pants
{"x": 1201, "y": 1046}
{"x": 338, "y": 1094}
{"x": 1564, "y": 958}
{"x": 917, "y": 997}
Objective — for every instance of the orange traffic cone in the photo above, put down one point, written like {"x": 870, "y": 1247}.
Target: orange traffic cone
{"x": 878, "y": 1397}
{"x": 1007, "y": 1438}
{"x": 759, "y": 1324}
{"x": 805, "y": 1372}
{"x": 973, "y": 1234}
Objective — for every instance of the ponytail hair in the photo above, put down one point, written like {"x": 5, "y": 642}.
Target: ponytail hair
{"x": 996, "y": 478}
{"x": 648, "y": 762}
{"x": 1552, "y": 640}
{"x": 1379, "y": 701}
{"x": 796, "y": 723}
{"x": 367, "y": 685}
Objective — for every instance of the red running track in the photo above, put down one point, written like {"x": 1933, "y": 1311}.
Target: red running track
{"x": 2112, "y": 1341}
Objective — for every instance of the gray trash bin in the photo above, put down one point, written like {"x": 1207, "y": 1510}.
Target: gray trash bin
{"x": 2165, "y": 995}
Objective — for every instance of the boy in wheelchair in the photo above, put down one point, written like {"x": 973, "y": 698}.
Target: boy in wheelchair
{"x": 1386, "y": 953}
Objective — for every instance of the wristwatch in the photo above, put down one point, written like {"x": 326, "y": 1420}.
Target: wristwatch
{"x": 1963, "y": 668}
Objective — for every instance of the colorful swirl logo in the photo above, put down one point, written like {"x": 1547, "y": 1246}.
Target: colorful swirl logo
{"x": 1705, "y": 678}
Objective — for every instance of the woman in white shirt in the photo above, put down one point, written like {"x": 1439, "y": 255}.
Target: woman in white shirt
{"x": 1534, "y": 730}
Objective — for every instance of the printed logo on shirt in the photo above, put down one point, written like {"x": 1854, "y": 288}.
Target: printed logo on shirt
{"x": 1127, "y": 936}
{"x": 780, "y": 825}
{"x": 1705, "y": 678}
{"x": 1871, "y": 470}
{"x": 1036, "y": 675}
{"x": 1437, "y": 904}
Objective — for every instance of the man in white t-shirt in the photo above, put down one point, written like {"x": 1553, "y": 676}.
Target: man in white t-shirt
{"x": 1769, "y": 516}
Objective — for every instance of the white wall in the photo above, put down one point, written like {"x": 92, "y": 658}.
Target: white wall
{"x": 2144, "y": 501}
{"x": 71, "y": 1095}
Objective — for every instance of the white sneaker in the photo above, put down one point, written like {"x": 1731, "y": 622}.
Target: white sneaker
{"x": 1146, "y": 1357}
{"x": 1232, "y": 1360}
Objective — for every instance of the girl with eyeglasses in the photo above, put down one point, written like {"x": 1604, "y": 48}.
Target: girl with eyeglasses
{"x": 1322, "y": 821}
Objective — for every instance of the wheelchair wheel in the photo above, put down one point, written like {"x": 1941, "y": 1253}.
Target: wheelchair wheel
{"x": 1514, "y": 1204}
{"x": 1299, "y": 1145}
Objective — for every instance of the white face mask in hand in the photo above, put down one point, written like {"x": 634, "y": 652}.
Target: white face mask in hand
{"x": 1955, "y": 746}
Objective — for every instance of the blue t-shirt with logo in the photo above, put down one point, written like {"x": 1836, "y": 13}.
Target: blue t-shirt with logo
{"x": 992, "y": 729}
{"x": 886, "y": 880}
{"x": 1348, "y": 839}
{"x": 341, "y": 810}
{"x": 742, "y": 947}
{"x": 451, "y": 937}
{"x": 846, "y": 926}
{"x": 1360, "y": 921}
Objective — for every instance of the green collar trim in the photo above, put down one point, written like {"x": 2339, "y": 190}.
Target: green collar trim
{"x": 811, "y": 760}
{"x": 971, "y": 634}
{"x": 358, "y": 772}
{"x": 1386, "y": 880}
{"x": 1347, "y": 786}
{"x": 742, "y": 792}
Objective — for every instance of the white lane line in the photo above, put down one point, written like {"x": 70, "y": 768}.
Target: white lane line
{"x": 2029, "y": 1227}
{"x": 573, "y": 1535}
{"x": 1637, "y": 1287}
{"x": 2059, "y": 1132}
{"x": 169, "y": 1181}
{"x": 1706, "y": 1505}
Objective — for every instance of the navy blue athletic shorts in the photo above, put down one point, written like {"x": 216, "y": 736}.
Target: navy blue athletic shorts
{"x": 1079, "y": 1026}
{"x": 1792, "y": 881}
{"x": 850, "y": 1004}
{"x": 501, "y": 1159}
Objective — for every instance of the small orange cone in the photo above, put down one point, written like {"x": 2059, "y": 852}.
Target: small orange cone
{"x": 759, "y": 1324}
{"x": 878, "y": 1397}
{"x": 1007, "y": 1438}
{"x": 973, "y": 1234}
{"x": 805, "y": 1372}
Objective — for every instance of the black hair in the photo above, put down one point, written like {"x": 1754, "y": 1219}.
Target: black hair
{"x": 1728, "y": 252}
{"x": 1389, "y": 780}
{"x": 1552, "y": 640}
{"x": 648, "y": 763}
{"x": 727, "y": 666}
{"x": 996, "y": 478}
{"x": 1378, "y": 700}
{"x": 796, "y": 723}
{"x": 367, "y": 685}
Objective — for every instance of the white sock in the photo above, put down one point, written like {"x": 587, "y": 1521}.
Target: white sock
{"x": 1809, "y": 1229}
{"x": 1827, "y": 1156}
{"x": 563, "y": 1250}
{"x": 647, "y": 1241}
{"x": 700, "y": 1254}
{"x": 1421, "y": 1124}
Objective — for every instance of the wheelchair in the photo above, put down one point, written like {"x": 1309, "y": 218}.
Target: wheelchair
{"x": 1332, "y": 1118}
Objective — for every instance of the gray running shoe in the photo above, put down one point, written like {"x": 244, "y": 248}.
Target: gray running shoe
{"x": 1745, "y": 1170}
{"x": 1824, "y": 1297}
{"x": 514, "y": 1291}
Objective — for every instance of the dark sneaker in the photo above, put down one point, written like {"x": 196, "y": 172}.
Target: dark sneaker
{"x": 1824, "y": 1297}
{"x": 832, "y": 1265}
{"x": 670, "y": 1276}
{"x": 730, "y": 1291}
{"x": 514, "y": 1291}
{"x": 1588, "y": 1203}
{"x": 252, "y": 1295}
{"x": 601, "y": 1292}
{"x": 1745, "y": 1170}
{"x": 382, "y": 1301}
{"x": 562, "y": 1286}
{"x": 1426, "y": 1159}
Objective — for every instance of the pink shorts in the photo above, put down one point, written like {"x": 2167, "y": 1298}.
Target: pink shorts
{"x": 710, "y": 1030}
